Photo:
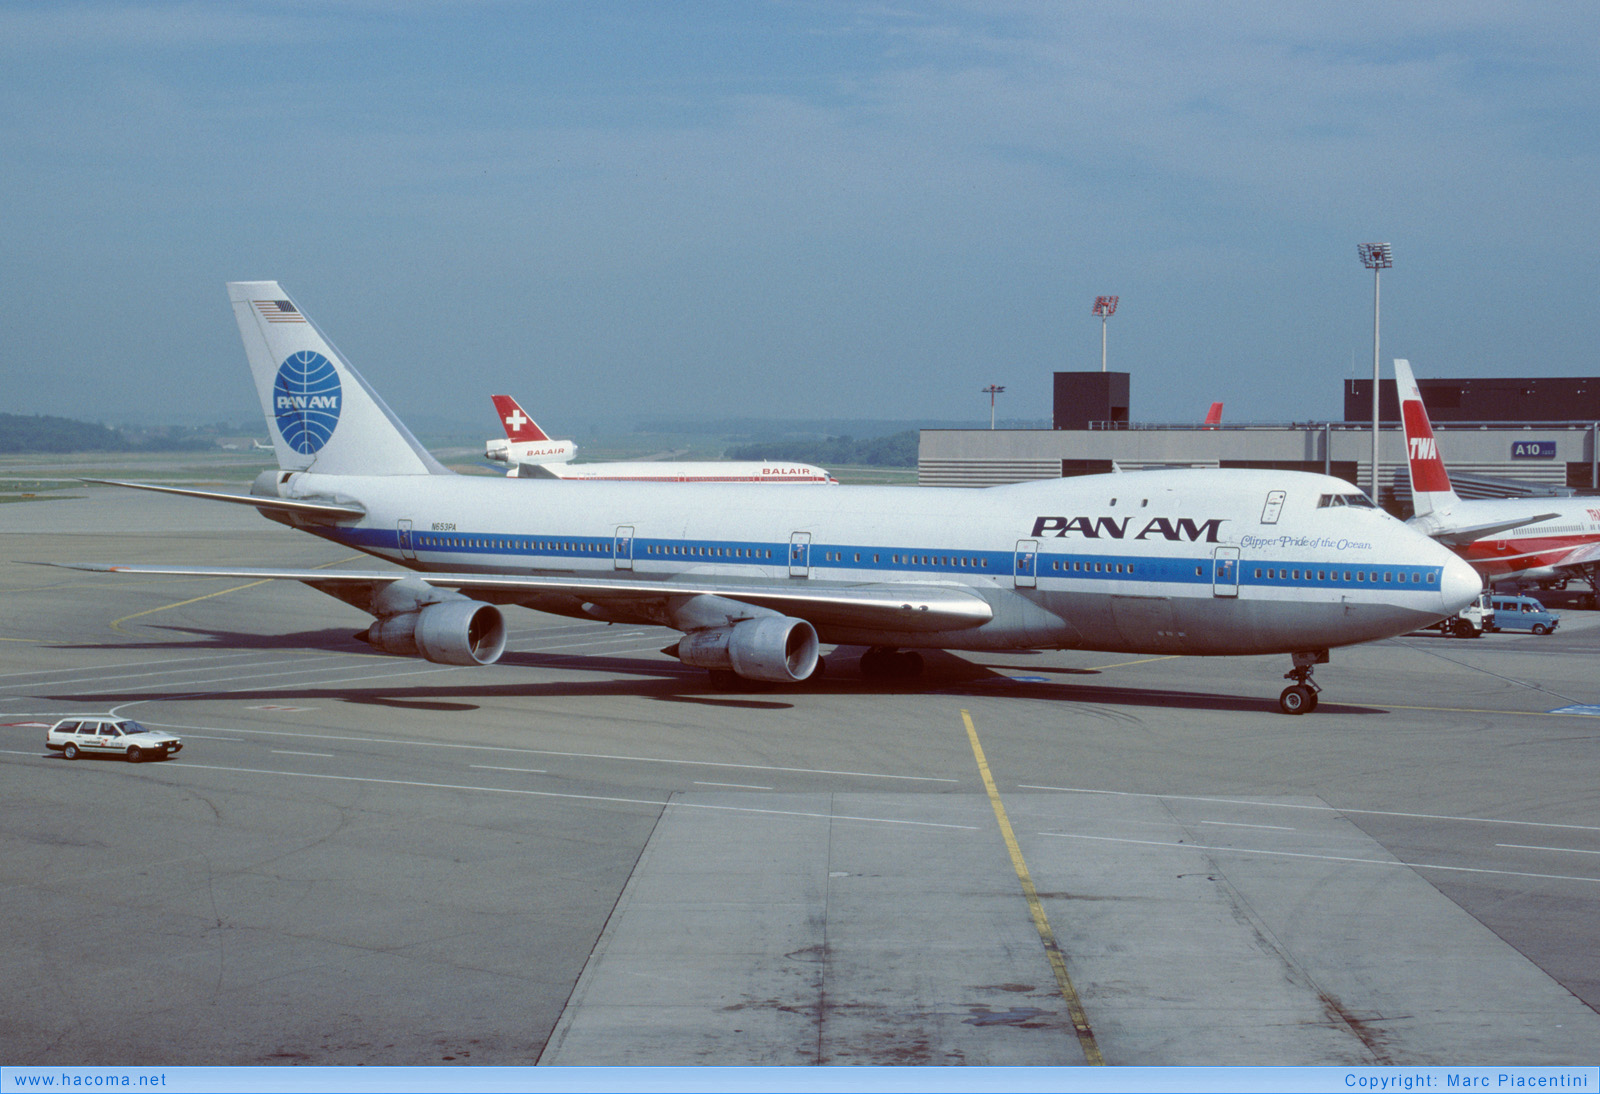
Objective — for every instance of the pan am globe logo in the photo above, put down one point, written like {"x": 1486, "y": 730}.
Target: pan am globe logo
{"x": 305, "y": 400}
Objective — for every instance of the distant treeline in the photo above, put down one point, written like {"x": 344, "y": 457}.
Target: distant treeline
{"x": 43, "y": 433}
{"x": 895, "y": 450}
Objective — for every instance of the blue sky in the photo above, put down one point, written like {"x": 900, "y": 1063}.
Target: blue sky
{"x": 619, "y": 211}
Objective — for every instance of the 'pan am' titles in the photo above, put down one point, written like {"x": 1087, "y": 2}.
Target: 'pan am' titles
{"x": 1112, "y": 528}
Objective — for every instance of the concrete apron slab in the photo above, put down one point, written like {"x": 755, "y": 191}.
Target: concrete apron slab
{"x": 1204, "y": 932}
{"x": 819, "y": 929}
{"x": 762, "y": 928}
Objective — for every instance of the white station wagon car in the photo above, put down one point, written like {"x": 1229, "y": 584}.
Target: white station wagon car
{"x": 104, "y": 735}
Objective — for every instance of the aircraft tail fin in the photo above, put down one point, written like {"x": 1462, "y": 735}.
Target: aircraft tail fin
{"x": 1431, "y": 491}
{"x": 321, "y": 415}
{"x": 519, "y": 427}
{"x": 1214, "y": 416}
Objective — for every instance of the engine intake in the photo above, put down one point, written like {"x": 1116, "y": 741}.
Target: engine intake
{"x": 456, "y": 632}
{"x": 779, "y": 649}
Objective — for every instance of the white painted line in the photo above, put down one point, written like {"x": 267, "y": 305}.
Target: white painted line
{"x": 1232, "y": 824}
{"x": 736, "y": 786}
{"x": 1312, "y": 808}
{"x": 348, "y": 679}
{"x": 286, "y": 752}
{"x": 819, "y": 816}
{"x": 1531, "y": 847}
{"x": 207, "y": 686}
{"x": 524, "y": 770}
{"x": 545, "y": 752}
{"x": 747, "y": 767}
{"x": 1324, "y": 858}
{"x": 97, "y": 670}
{"x": 567, "y": 797}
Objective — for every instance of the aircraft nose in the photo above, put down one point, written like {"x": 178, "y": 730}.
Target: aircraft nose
{"x": 1459, "y": 585}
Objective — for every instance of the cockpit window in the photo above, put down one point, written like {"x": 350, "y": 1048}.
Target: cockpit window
{"x": 1360, "y": 501}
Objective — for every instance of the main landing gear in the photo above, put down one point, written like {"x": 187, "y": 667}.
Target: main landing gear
{"x": 879, "y": 663}
{"x": 1301, "y": 696}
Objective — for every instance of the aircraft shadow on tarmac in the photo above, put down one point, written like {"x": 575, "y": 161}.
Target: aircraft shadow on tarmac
{"x": 669, "y": 681}
{"x": 329, "y": 640}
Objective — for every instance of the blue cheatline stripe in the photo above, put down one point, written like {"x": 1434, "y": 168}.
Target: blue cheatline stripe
{"x": 1055, "y": 570}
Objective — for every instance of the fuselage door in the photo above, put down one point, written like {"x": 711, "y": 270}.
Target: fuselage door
{"x": 406, "y": 549}
{"x": 622, "y": 547}
{"x": 1274, "y": 506}
{"x": 1025, "y": 568}
{"x": 1225, "y": 571}
{"x": 800, "y": 554}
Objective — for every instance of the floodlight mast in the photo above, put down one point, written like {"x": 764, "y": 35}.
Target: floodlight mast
{"x": 1105, "y": 307}
{"x": 993, "y": 390}
{"x": 1375, "y": 257}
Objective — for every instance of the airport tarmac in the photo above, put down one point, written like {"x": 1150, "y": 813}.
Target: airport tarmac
{"x": 584, "y": 855}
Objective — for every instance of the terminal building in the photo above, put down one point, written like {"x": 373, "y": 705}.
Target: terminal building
{"x": 1499, "y": 438}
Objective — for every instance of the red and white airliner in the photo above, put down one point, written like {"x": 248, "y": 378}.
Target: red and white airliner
{"x": 1498, "y": 536}
{"x": 530, "y": 453}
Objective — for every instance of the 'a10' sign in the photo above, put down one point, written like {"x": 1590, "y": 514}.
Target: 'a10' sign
{"x": 1533, "y": 450}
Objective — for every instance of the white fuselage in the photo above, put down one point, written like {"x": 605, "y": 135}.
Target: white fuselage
{"x": 1570, "y": 525}
{"x": 707, "y": 471}
{"x": 1201, "y": 562}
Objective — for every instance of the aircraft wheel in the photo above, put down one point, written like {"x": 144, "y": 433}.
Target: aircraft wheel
{"x": 907, "y": 665}
{"x": 1297, "y": 699}
{"x": 877, "y": 663}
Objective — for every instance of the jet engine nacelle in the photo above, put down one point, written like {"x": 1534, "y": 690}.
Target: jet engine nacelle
{"x": 455, "y": 632}
{"x": 776, "y": 648}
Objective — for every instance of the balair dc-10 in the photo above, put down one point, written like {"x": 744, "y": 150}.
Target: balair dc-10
{"x": 1204, "y": 562}
{"x": 529, "y": 453}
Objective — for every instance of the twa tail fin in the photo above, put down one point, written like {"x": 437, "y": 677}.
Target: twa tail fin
{"x": 518, "y": 426}
{"x": 1431, "y": 491}
{"x": 321, "y": 415}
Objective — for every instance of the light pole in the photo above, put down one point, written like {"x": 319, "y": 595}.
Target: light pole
{"x": 993, "y": 390}
{"x": 1375, "y": 257}
{"x": 1105, "y": 307}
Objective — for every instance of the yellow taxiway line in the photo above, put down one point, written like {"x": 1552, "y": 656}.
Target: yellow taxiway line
{"x": 1041, "y": 922}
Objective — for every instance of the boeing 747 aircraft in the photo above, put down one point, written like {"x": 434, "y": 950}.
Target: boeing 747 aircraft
{"x": 531, "y": 454}
{"x": 1498, "y": 536}
{"x": 1204, "y": 562}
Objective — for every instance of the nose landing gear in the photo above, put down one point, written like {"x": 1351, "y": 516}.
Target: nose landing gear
{"x": 1301, "y": 696}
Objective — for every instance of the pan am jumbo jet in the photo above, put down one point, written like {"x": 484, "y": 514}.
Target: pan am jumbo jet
{"x": 531, "y": 454}
{"x": 1498, "y": 536}
{"x": 1206, "y": 562}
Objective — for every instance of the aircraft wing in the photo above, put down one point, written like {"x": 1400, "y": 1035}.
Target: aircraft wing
{"x": 1587, "y": 555}
{"x": 901, "y": 607}
{"x": 1456, "y": 537}
{"x": 323, "y": 510}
